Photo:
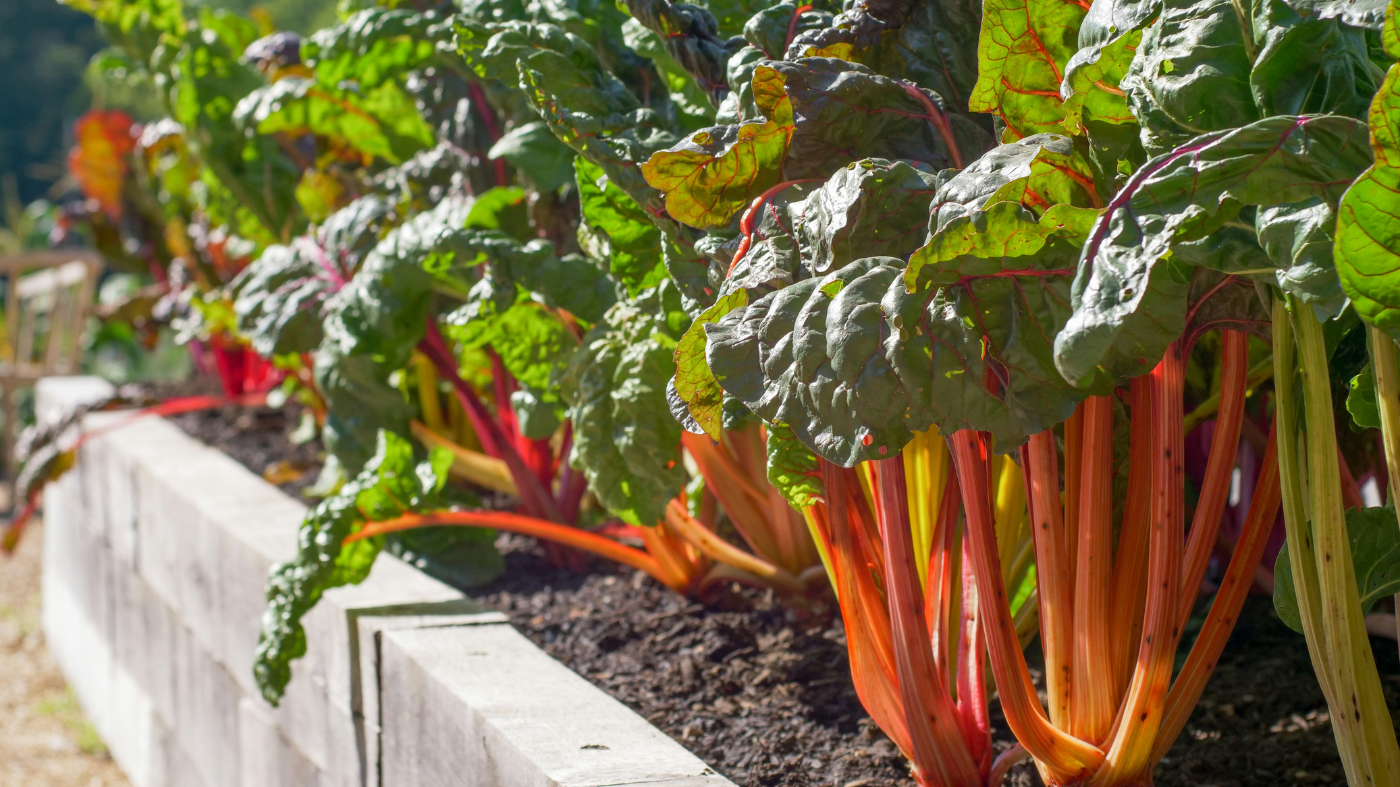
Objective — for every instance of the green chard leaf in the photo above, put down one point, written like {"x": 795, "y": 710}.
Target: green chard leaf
{"x": 625, "y": 440}
{"x": 1024, "y": 49}
{"x": 929, "y": 43}
{"x": 1375, "y": 556}
{"x": 716, "y": 172}
{"x": 857, "y": 361}
{"x": 1131, "y": 290}
{"x": 631, "y": 243}
{"x": 1368, "y": 221}
{"x": 691, "y": 37}
{"x": 1208, "y": 66}
{"x": 792, "y": 468}
{"x": 1039, "y": 171}
{"x": 279, "y": 298}
{"x": 533, "y": 149}
{"x": 376, "y": 320}
{"x": 695, "y": 384}
{"x": 870, "y": 208}
{"x": 1362, "y": 403}
{"x": 392, "y": 483}
{"x": 820, "y": 114}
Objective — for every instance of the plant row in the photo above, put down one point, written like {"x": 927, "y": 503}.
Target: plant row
{"x": 954, "y": 312}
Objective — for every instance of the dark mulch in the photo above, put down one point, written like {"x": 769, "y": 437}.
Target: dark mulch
{"x": 259, "y": 438}
{"x": 764, "y": 695}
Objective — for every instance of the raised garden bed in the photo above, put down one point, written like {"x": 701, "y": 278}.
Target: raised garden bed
{"x": 156, "y": 551}
{"x": 766, "y": 699}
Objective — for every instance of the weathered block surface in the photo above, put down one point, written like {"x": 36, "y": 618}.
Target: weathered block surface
{"x": 155, "y": 556}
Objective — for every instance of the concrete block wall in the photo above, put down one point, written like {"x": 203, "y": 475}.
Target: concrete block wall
{"x": 155, "y": 556}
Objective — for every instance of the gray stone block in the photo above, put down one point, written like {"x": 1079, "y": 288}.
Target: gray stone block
{"x": 481, "y": 706}
{"x": 267, "y": 758}
{"x": 206, "y": 723}
{"x": 367, "y": 649}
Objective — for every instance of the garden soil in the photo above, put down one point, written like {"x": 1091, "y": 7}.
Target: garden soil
{"x": 764, "y": 694}
{"x": 44, "y": 739}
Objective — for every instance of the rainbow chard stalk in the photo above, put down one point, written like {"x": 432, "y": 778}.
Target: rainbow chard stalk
{"x": 1319, "y": 550}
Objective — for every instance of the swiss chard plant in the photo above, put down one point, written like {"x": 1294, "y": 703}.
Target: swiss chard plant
{"x": 906, "y": 294}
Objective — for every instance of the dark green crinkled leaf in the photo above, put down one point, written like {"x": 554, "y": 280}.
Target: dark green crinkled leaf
{"x": 869, "y": 208}
{"x": 856, "y": 363}
{"x": 1130, "y": 293}
{"x": 1204, "y": 67}
{"x": 625, "y": 440}
{"x": 533, "y": 149}
{"x": 1357, "y": 13}
{"x": 279, "y": 297}
{"x": 930, "y": 43}
{"x": 1299, "y": 240}
{"x": 692, "y": 105}
{"x": 1309, "y": 65}
{"x": 768, "y": 30}
{"x": 392, "y": 483}
{"x": 776, "y": 252}
{"x": 1191, "y": 74}
{"x": 1038, "y": 171}
{"x": 844, "y": 112}
{"x": 820, "y": 114}
{"x": 692, "y": 39}
{"x": 1375, "y": 556}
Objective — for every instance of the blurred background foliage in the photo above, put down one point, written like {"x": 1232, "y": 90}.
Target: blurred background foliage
{"x": 46, "y": 55}
{"x": 52, "y": 59}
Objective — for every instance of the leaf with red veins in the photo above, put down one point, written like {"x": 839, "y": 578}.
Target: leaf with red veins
{"x": 844, "y": 112}
{"x": 870, "y": 208}
{"x": 716, "y": 172}
{"x": 1024, "y": 48}
{"x": 1038, "y": 172}
{"x": 1091, "y": 83}
{"x": 856, "y": 362}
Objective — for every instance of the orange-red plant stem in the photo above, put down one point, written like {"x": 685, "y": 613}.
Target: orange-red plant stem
{"x": 940, "y": 755}
{"x": 1129, "y": 756}
{"x": 1220, "y": 621}
{"x": 1093, "y": 695}
{"x": 1129, "y": 594}
{"x": 1040, "y": 464}
{"x": 1067, "y": 757}
{"x": 525, "y": 525}
{"x": 868, "y": 637}
{"x": 1215, "y": 487}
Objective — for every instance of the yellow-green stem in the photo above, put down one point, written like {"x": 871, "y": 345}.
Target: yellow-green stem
{"x": 1385, "y": 358}
{"x": 1333, "y": 625}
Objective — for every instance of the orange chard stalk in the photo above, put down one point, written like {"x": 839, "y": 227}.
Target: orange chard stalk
{"x": 1130, "y": 750}
{"x": 530, "y": 526}
{"x": 1215, "y": 488}
{"x": 1129, "y": 596}
{"x": 1093, "y": 698}
{"x": 1114, "y": 710}
{"x": 939, "y": 752}
{"x": 1065, "y": 757}
{"x": 1041, "y": 466}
